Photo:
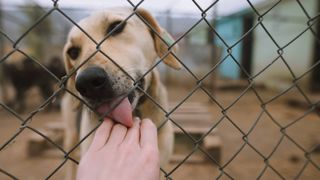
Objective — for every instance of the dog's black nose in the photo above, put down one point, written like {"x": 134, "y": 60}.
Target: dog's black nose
{"x": 94, "y": 83}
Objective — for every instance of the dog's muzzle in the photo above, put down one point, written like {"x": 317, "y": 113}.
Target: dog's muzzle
{"x": 95, "y": 85}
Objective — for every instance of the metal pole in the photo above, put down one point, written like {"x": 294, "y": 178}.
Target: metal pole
{"x": 2, "y": 46}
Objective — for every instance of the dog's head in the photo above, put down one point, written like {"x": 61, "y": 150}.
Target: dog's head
{"x": 111, "y": 51}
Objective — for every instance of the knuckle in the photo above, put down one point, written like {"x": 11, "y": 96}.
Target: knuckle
{"x": 126, "y": 148}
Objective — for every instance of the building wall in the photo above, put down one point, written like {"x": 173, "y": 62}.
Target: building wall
{"x": 284, "y": 23}
{"x": 230, "y": 30}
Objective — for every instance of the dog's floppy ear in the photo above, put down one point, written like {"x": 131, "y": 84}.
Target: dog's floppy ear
{"x": 160, "y": 45}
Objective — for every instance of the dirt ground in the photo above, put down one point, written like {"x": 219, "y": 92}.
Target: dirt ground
{"x": 288, "y": 159}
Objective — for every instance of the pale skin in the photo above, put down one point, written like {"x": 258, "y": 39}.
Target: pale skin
{"x": 120, "y": 153}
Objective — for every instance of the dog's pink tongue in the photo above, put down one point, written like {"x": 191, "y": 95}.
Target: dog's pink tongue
{"x": 122, "y": 113}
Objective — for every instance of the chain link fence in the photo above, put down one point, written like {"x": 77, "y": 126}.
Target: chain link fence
{"x": 251, "y": 79}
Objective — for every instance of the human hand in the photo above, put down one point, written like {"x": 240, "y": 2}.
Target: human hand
{"x": 118, "y": 153}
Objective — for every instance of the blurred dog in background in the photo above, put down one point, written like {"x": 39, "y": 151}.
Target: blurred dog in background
{"x": 23, "y": 74}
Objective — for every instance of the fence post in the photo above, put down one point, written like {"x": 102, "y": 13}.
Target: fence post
{"x": 2, "y": 88}
{"x": 315, "y": 75}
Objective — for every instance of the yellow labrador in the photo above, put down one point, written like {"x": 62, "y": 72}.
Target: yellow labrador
{"x": 108, "y": 79}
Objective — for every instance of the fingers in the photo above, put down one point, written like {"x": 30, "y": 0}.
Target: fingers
{"x": 113, "y": 135}
{"x": 102, "y": 134}
{"x": 148, "y": 134}
{"x": 133, "y": 134}
{"x": 118, "y": 133}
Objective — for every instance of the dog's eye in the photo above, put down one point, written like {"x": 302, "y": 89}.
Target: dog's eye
{"x": 117, "y": 26}
{"x": 73, "y": 52}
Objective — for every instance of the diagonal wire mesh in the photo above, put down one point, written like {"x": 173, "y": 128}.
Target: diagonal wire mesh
{"x": 311, "y": 26}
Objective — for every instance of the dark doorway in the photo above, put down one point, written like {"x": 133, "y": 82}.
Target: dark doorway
{"x": 247, "y": 46}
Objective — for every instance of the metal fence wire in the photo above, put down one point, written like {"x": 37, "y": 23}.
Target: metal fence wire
{"x": 311, "y": 26}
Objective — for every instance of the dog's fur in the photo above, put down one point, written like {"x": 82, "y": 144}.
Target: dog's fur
{"x": 135, "y": 50}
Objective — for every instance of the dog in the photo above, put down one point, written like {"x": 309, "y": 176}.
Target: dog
{"x": 113, "y": 75}
{"x": 24, "y": 74}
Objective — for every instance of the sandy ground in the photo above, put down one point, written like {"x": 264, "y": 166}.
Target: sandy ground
{"x": 288, "y": 159}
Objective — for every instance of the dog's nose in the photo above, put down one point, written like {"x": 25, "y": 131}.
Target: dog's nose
{"x": 94, "y": 83}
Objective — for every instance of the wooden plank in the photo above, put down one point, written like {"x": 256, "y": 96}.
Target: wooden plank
{"x": 194, "y": 130}
{"x": 192, "y": 110}
{"x": 213, "y": 145}
{"x": 191, "y": 107}
{"x": 54, "y": 126}
{"x": 188, "y": 104}
{"x": 192, "y": 159}
{"x": 194, "y": 118}
{"x": 193, "y": 123}
{"x": 211, "y": 141}
{"x": 36, "y": 144}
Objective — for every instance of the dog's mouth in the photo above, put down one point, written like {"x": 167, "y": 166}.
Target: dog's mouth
{"x": 119, "y": 110}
